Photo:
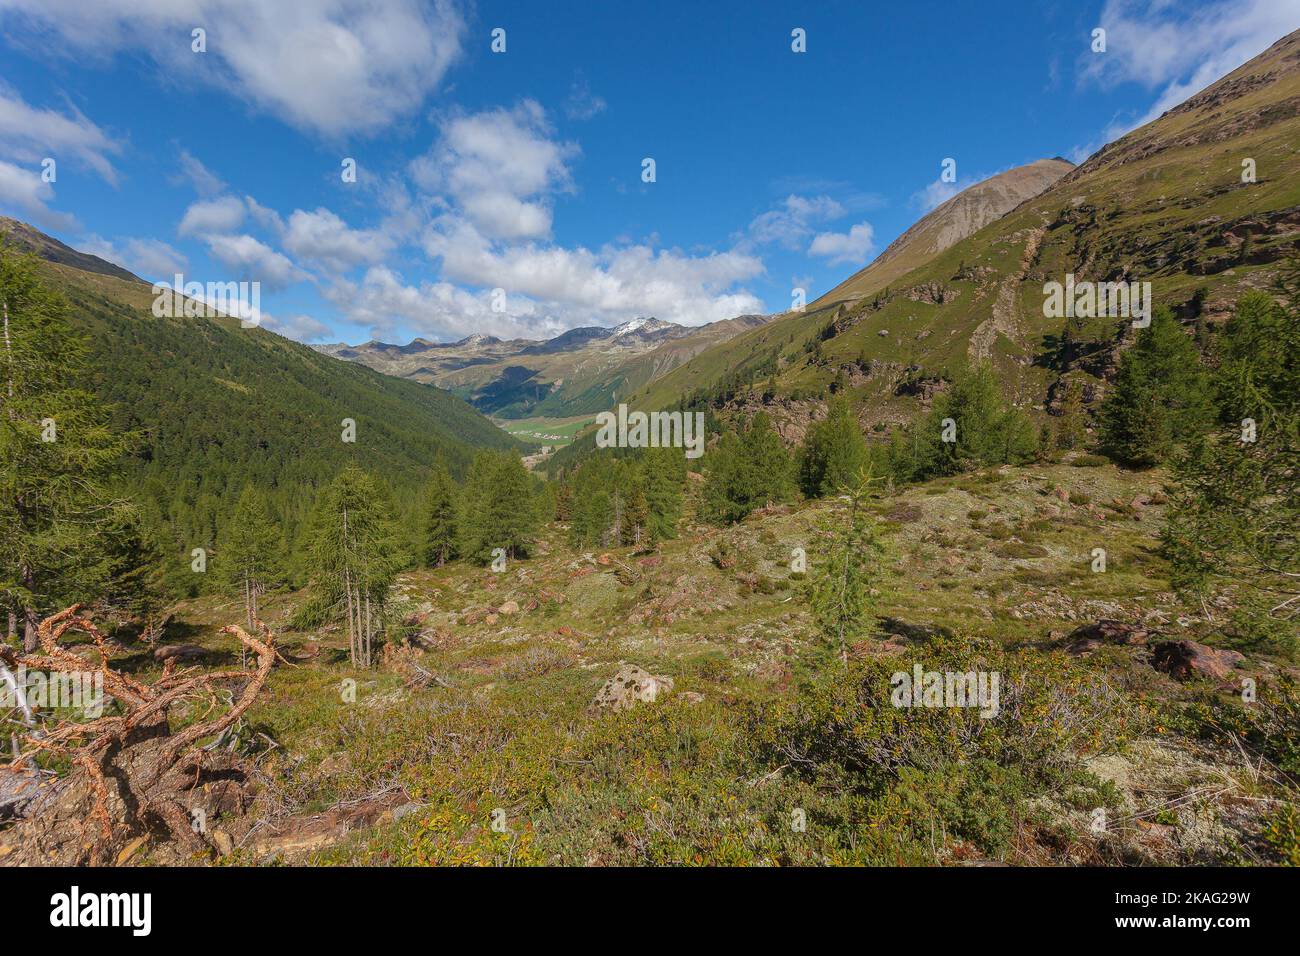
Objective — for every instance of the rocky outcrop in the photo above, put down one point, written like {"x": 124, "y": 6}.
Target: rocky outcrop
{"x": 1086, "y": 639}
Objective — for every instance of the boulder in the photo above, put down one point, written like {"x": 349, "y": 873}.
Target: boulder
{"x": 1087, "y": 638}
{"x": 1185, "y": 660}
{"x": 510, "y": 607}
{"x": 631, "y": 685}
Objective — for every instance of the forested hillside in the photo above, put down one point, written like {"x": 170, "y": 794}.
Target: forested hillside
{"x": 210, "y": 406}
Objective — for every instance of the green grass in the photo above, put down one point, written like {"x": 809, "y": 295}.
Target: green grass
{"x": 759, "y": 731}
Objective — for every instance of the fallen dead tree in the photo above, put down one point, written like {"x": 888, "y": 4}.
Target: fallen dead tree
{"x": 130, "y": 774}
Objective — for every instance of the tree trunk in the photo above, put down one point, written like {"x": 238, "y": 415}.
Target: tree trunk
{"x": 248, "y": 612}
{"x": 352, "y": 643}
{"x": 9, "y": 355}
{"x": 31, "y": 642}
{"x": 13, "y": 624}
{"x": 367, "y": 630}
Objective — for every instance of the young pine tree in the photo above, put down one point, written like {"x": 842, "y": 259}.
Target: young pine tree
{"x": 1160, "y": 399}
{"x": 248, "y": 560}
{"x": 841, "y": 596}
{"x": 439, "y": 543}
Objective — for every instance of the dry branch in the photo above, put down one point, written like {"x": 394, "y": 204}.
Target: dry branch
{"x": 131, "y": 774}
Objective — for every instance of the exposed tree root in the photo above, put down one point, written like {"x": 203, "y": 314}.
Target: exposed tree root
{"x": 131, "y": 774}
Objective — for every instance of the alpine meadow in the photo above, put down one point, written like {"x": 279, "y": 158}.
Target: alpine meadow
{"x": 814, "y": 435}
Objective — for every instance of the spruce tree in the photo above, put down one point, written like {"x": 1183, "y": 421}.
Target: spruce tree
{"x": 1160, "y": 398}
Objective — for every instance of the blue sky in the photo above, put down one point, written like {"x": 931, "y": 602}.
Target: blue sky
{"x": 522, "y": 171}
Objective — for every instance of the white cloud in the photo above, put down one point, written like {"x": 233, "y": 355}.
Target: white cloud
{"x": 212, "y": 215}
{"x": 382, "y": 301}
{"x": 851, "y": 248}
{"x": 29, "y": 135}
{"x": 300, "y": 328}
{"x": 330, "y": 66}
{"x": 790, "y": 224}
{"x": 937, "y": 193}
{"x": 204, "y": 180}
{"x": 22, "y": 191}
{"x": 499, "y": 167}
{"x": 324, "y": 238}
{"x": 582, "y": 104}
{"x": 1179, "y": 50}
{"x": 618, "y": 282}
{"x": 252, "y": 259}
{"x": 148, "y": 258}
{"x": 268, "y": 219}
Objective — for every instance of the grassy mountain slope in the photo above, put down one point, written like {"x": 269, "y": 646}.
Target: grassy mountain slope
{"x": 947, "y": 224}
{"x": 218, "y": 405}
{"x": 1164, "y": 204}
{"x": 938, "y": 230}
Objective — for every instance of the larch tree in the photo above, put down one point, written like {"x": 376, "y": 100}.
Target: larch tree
{"x": 841, "y": 596}
{"x": 1234, "y": 505}
{"x": 1160, "y": 399}
{"x": 248, "y": 559}
{"x": 834, "y": 451}
{"x": 57, "y": 456}
{"x": 439, "y": 542}
{"x": 353, "y": 555}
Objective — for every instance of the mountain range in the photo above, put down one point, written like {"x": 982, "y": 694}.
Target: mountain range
{"x": 581, "y": 371}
